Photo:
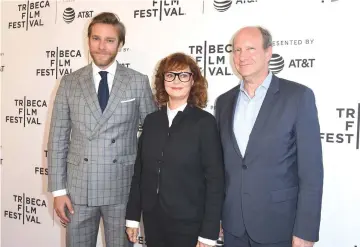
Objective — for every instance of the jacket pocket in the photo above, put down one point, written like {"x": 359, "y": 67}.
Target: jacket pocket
{"x": 285, "y": 194}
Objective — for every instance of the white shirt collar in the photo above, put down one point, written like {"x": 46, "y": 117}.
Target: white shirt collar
{"x": 111, "y": 69}
{"x": 265, "y": 84}
{"x": 180, "y": 108}
{"x": 172, "y": 113}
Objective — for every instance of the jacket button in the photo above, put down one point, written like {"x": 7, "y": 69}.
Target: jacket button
{"x": 86, "y": 159}
{"x": 114, "y": 161}
{"x": 244, "y": 167}
{"x": 160, "y": 161}
{"x": 113, "y": 141}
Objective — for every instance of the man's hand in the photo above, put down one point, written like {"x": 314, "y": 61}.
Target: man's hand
{"x": 221, "y": 233}
{"x": 199, "y": 244}
{"x": 298, "y": 242}
{"x": 132, "y": 234}
{"x": 60, "y": 202}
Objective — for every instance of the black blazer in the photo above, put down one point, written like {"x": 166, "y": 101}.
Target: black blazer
{"x": 182, "y": 166}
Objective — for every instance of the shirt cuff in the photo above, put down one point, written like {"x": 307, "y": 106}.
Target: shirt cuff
{"x": 207, "y": 241}
{"x": 59, "y": 193}
{"x": 132, "y": 223}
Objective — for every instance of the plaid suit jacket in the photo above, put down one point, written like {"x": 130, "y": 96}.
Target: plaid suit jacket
{"x": 90, "y": 153}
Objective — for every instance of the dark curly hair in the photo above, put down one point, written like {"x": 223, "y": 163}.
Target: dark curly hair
{"x": 178, "y": 61}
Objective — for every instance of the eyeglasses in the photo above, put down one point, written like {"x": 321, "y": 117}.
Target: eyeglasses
{"x": 183, "y": 76}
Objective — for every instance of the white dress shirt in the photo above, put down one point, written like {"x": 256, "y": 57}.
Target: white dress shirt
{"x": 171, "y": 114}
{"x": 96, "y": 76}
{"x": 110, "y": 75}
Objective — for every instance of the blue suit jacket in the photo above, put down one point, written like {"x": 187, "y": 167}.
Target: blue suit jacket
{"x": 274, "y": 190}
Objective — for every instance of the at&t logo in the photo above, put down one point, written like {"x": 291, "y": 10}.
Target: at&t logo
{"x": 277, "y": 63}
{"x": 69, "y": 14}
{"x": 224, "y": 5}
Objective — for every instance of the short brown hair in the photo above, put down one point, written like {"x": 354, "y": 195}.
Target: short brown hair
{"x": 112, "y": 19}
{"x": 178, "y": 61}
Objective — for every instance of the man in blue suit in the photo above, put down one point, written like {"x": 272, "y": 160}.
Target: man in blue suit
{"x": 272, "y": 152}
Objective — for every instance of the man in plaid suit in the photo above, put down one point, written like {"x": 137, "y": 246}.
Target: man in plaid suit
{"x": 93, "y": 139}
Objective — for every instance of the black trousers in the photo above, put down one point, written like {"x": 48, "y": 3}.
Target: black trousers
{"x": 162, "y": 230}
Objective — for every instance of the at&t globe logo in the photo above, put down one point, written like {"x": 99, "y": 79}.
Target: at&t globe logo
{"x": 276, "y": 63}
{"x": 69, "y": 15}
{"x": 222, "y": 5}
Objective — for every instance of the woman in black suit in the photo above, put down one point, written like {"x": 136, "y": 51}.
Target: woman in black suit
{"x": 178, "y": 182}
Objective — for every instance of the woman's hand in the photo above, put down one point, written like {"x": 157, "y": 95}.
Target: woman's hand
{"x": 132, "y": 234}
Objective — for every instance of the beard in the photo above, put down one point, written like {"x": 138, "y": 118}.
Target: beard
{"x": 103, "y": 61}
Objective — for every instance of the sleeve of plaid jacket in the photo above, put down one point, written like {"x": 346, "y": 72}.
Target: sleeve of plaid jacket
{"x": 59, "y": 137}
{"x": 147, "y": 103}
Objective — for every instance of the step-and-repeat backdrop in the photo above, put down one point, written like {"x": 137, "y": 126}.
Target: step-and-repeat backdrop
{"x": 1, "y": 70}
{"x": 315, "y": 43}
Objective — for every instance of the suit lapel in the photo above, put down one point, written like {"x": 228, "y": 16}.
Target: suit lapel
{"x": 120, "y": 83}
{"x": 265, "y": 110}
{"x": 88, "y": 88}
{"x": 231, "y": 112}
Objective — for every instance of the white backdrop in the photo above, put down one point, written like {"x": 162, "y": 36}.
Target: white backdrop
{"x": 314, "y": 40}
{"x": 1, "y": 71}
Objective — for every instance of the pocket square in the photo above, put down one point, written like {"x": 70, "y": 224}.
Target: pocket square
{"x": 129, "y": 100}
